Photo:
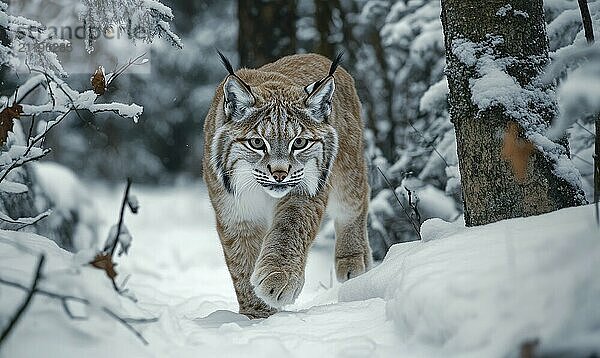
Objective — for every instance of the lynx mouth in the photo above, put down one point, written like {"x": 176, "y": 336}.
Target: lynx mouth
{"x": 278, "y": 190}
{"x": 279, "y": 187}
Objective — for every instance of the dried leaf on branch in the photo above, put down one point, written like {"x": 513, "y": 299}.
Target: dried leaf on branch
{"x": 118, "y": 235}
{"x": 104, "y": 262}
{"x": 101, "y": 81}
{"x": 7, "y": 117}
{"x": 98, "y": 81}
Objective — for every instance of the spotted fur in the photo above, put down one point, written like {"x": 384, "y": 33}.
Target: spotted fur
{"x": 283, "y": 144}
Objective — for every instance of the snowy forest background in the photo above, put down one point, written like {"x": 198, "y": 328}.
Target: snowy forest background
{"x": 394, "y": 49}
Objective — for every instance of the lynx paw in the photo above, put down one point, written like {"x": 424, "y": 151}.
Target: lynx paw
{"x": 254, "y": 313}
{"x": 276, "y": 285}
{"x": 347, "y": 267}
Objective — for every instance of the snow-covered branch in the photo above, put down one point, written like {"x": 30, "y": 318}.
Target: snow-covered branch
{"x": 24, "y": 222}
{"x": 29, "y": 37}
{"x": 141, "y": 19}
{"x": 38, "y": 273}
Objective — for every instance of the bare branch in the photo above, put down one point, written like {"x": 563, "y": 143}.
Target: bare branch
{"x": 126, "y": 321}
{"x": 413, "y": 205}
{"x": 415, "y": 226}
{"x": 22, "y": 161}
{"x": 64, "y": 302}
{"x": 430, "y": 144}
{"x": 43, "y": 134}
{"x": 30, "y": 131}
{"x": 121, "y": 215}
{"x": 119, "y": 71}
{"x": 24, "y": 222}
{"x": 26, "y": 302}
{"x": 126, "y": 324}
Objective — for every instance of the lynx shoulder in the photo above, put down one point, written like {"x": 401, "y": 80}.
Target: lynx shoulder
{"x": 283, "y": 144}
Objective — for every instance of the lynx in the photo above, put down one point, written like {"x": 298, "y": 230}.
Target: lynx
{"x": 283, "y": 145}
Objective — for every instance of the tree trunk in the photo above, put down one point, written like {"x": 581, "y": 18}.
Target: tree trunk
{"x": 267, "y": 31}
{"x": 323, "y": 19}
{"x": 597, "y": 169}
{"x": 496, "y": 186}
{"x": 589, "y": 36}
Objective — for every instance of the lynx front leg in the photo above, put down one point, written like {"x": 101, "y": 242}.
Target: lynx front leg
{"x": 278, "y": 275}
{"x": 351, "y": 202}
{"x": 241, "y": 246}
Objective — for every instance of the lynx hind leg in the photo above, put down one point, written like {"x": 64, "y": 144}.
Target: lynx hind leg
{"x": 349, "y": 205}
{"x": 241, "y": 247}
{"x": 352, "y": 251}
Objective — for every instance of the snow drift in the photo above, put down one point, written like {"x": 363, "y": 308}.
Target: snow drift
{"x": 486, "y": 290}
{"x": 477, "y": 292}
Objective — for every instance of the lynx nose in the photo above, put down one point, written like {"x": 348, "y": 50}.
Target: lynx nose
{"x": 278, "y": 174}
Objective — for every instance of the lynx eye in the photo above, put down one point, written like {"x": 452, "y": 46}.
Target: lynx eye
{"x": 299, "y": 143}
{"x": 257, "y": 143}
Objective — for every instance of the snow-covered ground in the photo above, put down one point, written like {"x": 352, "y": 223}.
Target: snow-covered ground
{"x": 477, "y": 292}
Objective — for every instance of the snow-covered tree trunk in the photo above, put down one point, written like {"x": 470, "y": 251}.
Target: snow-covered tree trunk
{"x": 267, "y": 31}
{"x": 495, "y": 51}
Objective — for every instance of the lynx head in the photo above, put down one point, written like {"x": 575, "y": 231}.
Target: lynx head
{"x": 275, "y": 135}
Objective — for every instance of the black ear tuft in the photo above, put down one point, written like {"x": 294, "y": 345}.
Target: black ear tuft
{"x": 226, "y": 62}
{"x": 336, "y": 62}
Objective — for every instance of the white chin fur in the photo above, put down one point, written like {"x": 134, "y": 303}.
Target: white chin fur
{"x": 277, "y": 193}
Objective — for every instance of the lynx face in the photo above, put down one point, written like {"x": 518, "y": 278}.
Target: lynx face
{"x": 275, "y": 143}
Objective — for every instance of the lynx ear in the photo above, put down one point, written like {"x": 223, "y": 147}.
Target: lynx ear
{"x": 238, "y": 98}
{"x": 320, "y": 93}
{"x": 319, "y": 98}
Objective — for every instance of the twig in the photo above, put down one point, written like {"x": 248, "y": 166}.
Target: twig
{"x": 585, "y": 129}
{"x": 26, "y": 221}
{"x": 44, "y": 292}
{"x": 428, "y": 143}
{"x": 68, "y": 310}
{"x": 48, "y": 129}
{"x": 119, "y": 71}
{"x": 583, "y": 160}
{"x": 22, "y": 161}
{"x": 33, "y": 222}
{"x": 126, "y": 324}
{"x": 30, "y": 132}
{"x": 415, "y": 227}
{"x": 49, "y": 86}
{"x": 126, "y": 321}
{"x": 59, "y": 83}
{"x": 107, "y": 254}
{"x": 413, "y": 205}
{"x": 20, "y": 99}
{"x": 121, "y": 215}
{"x": 25, "y": 304}
{"x": 140, "y": 320}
